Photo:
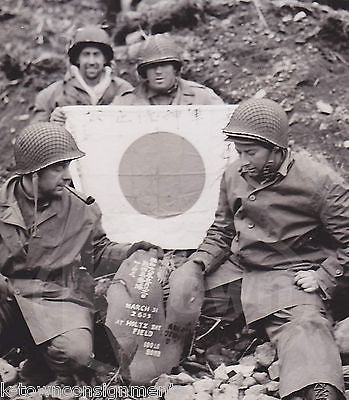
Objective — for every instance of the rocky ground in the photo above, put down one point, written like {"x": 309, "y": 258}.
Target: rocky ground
{"x": 295, "y": 52}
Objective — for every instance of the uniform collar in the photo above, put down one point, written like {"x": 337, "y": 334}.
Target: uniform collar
{"x": 9, "y": 209}
{"x": 182, "y": 86}
{"x": 171, "y": 92}
{"x": 284, "y": 167}
{"x": 69, "y": 77}
{"x": 286, "y": 164}
{"x": 281, "y": 173}
{"x": 185, "y": 88}
{"x": 10, "y": 212}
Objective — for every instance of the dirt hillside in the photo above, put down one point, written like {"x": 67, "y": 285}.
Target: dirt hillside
{"x": 291, "y": 51}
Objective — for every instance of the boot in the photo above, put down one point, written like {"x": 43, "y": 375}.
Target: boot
{"x": 321, "y": 391}
{"x": 34, "y": 372}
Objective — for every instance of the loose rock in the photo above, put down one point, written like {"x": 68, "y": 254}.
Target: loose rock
{"x": 299, "y": 16}
{"x": 265, "y": 354}
{"x": 248, "y": 360}
{"x": 180, "y": 392}
{"x": 274, "y": 370}
{"x": 249, "y": 381}
{"x": 221, "y": 373}
{"x": 272, "y": 386}
{"x": 8, "y": 372}
{"x": 204, "y": 385}
{"x": 181, "y": 379}
{"x": 267, "y": 397}
{"x": 255, "y": 390}
{"x": 226, "y": 392}
{"x": 237, "y": 379}
{"x": 261, "y": 377}
{"x": 324, "y": 107}
{"x": 245, "y": 370}
{"x": 202, "y": 396}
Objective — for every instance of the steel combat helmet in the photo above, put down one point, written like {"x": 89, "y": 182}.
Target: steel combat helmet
{"x": 42, "y": 144}
{"x": 259, "y": 119}
{"x": 90, "y": 36}
{"x": 156, "y": 49}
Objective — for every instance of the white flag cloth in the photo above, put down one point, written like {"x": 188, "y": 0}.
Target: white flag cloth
{"x": 154, "y": 170}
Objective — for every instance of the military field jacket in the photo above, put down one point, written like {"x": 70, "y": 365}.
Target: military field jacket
{"x": 299, "y": 221}
{"x": 187, "y": 93}
{"x": 53, "y": 292}
{"x": 69, "y": 92}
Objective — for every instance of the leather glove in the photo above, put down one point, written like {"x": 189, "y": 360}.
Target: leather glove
{"x": 4, "y": 288}
{"x": 58, "y": 116}
{"x": 192, "y": 268}
{"x": 145, "y": 246}
{"x": 186, "y": 291}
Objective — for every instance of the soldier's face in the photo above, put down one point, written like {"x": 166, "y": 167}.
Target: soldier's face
{"x": 161, "y": 76}
{"x": 253, "y": 156}
{"x": 53, "y": 178}
{"x": 91, "y": 63}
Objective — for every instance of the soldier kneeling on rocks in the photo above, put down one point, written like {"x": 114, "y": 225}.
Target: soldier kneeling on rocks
{"x": 50, "y": 240}
{"x": 285, "y": 218}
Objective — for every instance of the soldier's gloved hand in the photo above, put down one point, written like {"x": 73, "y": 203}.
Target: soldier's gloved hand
{"x": 192, "y": 267}
{"x": 4, "y": 288}
{"x": 145, "y": 246}
{"x": 186, "y": 294}
{"x": 307, "y": 280}
{"x": 58, "y": 116}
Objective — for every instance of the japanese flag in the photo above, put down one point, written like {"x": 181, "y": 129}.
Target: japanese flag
{"x": 154, "y": 170}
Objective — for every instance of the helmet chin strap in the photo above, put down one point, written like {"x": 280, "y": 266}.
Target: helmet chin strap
{"x": 172, "y": 88}
{"x": 35, "y": 182}
{"x": 270, "y": 168}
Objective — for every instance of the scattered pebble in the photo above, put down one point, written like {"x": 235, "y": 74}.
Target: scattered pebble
{"x": 181, "y": 379}
{"x": 180, "y": 392}
{"x": 274, "y": 370}
{"x": 204, "y": 385}
{"x": 324, "y": 107}
{"x": 265, "y": 354}
{"x": 8, "y": 373}
{"x": 221, "y": 373}
{"x": 299, "y": 16}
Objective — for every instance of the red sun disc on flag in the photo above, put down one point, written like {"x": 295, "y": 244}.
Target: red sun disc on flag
{"x": 161, "y": 174}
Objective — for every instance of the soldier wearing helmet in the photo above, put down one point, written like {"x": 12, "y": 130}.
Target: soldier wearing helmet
{"x": 88, "y": 81}
{"x": 285, "y": 219}
{"x": 51, "y": 240}
{"x": 159, "y": 67}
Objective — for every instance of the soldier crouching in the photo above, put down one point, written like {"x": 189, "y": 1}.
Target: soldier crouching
{"x": 285, "y": 218}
